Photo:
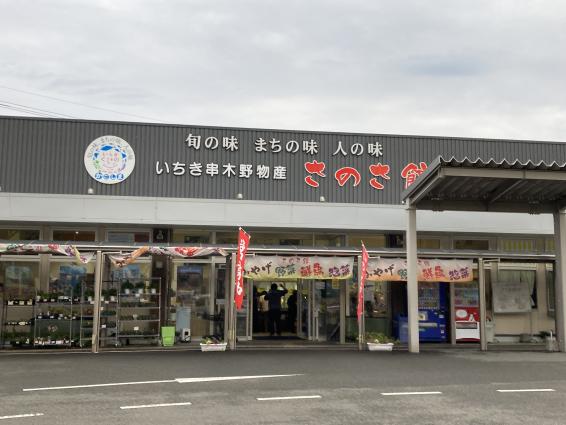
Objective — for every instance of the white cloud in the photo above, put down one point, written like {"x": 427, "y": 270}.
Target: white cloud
{"x": 483, "y": 69}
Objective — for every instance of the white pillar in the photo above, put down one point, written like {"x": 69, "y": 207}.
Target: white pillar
{"x": 481, "y": 286}
{"x": 412, "y": 283}
{"x": 361, "y": 332}
{"x": 560, "y": 277}
{"x": 98, "y": 269}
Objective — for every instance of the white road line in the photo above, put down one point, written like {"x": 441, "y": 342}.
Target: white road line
{"x": 144, "y": 406}
{"x": 287, "y": 398}
{"x": 114, "y": 384}
{"x": 531, "y": 390}
{"x": 415, "y": 393}
{"x": 26, "y": 415}
{"x": 166, "y": 381}
{"x": 231, "y": 378}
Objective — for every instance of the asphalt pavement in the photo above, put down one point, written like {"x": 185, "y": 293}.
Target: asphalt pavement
{"x": 283, "y": 387}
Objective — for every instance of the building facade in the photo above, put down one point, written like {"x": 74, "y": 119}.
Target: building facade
{"x": 111, "y": 188}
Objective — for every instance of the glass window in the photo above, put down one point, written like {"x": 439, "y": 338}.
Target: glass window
{"x": 128, "y": 237}
{"x": 549, "y": 244}
{"x": 227, "y": 238}
{"x": 518, "y": 245}
{"x": 69, "y": 278}
{"x": 19, "y": 234}
{"x": 472, "y": 244}
{"x": 525, "y": 277}
{"x": 19, "y": 282}
{"x": 329, "y": 240}
{"x": 375, "y": 299}
{"x": 375, "y": 240}
{"x": 183, "y": 236}
{"x": 428, "y": 243}
{"x": 190, "y": 298}
{"x": 551, "y": 300}
{"x": 281, "y": 239}
{"x": 74, "y": 235}
{"x": 134, "y": 273}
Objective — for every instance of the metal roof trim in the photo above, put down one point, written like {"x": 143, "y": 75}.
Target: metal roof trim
{"x": 440, "y": 162}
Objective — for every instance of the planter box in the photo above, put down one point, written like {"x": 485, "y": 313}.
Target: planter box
{"x": 380, "y": 347}
{"x": 213, "y": 347}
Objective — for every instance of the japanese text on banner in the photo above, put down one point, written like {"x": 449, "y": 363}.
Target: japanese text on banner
{"x": 395, "y": 269}
{"x": 243, "y": 243}
{"x": 297, "y": 267}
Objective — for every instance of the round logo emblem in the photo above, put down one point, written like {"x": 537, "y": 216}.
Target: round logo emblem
{"x": 109, "y": 159}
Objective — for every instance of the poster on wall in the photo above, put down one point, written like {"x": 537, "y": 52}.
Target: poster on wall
{"x": 261, "y": 267}
{"x": 69, "y": 278}
{"x": 395, "y": 269}
{"x": 511, "y": 297}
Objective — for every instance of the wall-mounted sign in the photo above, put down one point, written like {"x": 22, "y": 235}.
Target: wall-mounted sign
{"x": 395, "y": 269}
{"x": 109, "y": 159}
{"x": 219, "y": 163}
{"x": 511, "y": 297}
{"x": 260, "y": 267}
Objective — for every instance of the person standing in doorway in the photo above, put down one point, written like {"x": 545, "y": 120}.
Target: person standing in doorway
{"x": 292, "y": 311}
{"x": 273, "y": 296}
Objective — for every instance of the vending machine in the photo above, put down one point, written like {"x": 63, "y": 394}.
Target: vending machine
{"x": 466, "y": 312}
{"x": 432, "y": 314}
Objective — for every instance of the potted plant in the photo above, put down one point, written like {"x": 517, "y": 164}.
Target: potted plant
{"x": 89, "y": 294}
{"x": 154, "y": 287}
{"x": 127, "y": 287}
{"x": 377, "y": 341}
{"x": 112, "y": 293}
{"x": 212, "y": 343}
{"x": 140, "y": 286}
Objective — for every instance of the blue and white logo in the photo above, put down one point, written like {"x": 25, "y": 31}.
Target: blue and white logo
{"x": 109, "y": 159}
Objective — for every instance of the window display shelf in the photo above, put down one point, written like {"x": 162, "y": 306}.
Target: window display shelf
{"x": 139, "y": 320}
{"x": 139, "y": 336}
{"x": 123, "y": 307}
{"x": 128, "y": 323}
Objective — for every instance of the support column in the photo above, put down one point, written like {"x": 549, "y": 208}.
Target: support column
{"x": 361, "y": 323}
{"x": 560, "y": 277}
{"x": 481, "y": 285}
{"x": 452, "y": 316}
{"x": 230, "y": 307}
{"x": 343, "y": 300}
{"x": 412, "y": 283}
{"x": 99, "y": 267}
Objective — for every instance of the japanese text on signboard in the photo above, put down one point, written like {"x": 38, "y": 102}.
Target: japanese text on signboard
{"x": 376, "y": 175}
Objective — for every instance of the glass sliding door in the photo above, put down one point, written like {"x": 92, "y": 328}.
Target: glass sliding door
{"x": 191, "y": 298}
{"x": 243, "y": 316}
{"x": 326, "y": 310}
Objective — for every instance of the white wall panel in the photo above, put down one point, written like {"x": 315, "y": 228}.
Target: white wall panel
{"x": 85, "y": 209}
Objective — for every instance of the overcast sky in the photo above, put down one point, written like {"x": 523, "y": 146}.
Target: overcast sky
{"x": 481, "y": 68}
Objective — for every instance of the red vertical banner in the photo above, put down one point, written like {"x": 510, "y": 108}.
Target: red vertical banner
{"x": 362, "y": 279}
{"x": 243, "y": 243}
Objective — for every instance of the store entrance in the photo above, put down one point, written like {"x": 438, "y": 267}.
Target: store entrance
{"x": 309, "y": 310}
{"x": 275, "y": 310}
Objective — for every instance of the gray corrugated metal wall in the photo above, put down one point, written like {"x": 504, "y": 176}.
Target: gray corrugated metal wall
{"x": 46, "y": 156}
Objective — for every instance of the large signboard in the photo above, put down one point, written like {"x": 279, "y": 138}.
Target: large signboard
{"x": 262, "y": 267}
{"x": 222, "y": 163}
{"x": 395, "y": 269}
